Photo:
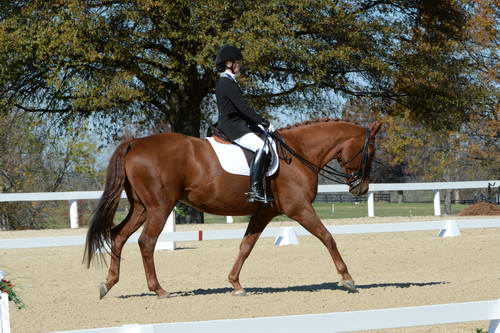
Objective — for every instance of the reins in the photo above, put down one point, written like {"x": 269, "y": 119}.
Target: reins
{"x": 330, "y": 173}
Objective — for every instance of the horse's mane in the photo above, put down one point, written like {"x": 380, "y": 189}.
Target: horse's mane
{"x": 314, "y": 121}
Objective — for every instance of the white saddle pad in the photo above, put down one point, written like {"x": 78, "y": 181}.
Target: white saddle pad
{"x": 232, "y": 158}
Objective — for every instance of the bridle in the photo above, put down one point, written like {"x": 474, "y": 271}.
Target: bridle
{"x": 353, "y": 180}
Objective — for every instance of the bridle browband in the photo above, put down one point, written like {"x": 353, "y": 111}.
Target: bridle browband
{"x": 330, "y": 173}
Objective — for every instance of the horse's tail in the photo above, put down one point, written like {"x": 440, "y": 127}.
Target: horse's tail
{"x": 99, "y": 232}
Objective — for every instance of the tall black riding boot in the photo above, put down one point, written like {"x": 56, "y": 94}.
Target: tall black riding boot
{"x": 257, "y": 170}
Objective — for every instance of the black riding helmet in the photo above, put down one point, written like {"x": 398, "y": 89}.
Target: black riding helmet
{"x": 227, "y": 53}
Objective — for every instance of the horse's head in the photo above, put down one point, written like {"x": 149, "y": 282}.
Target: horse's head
{"x": 356, "y": 158}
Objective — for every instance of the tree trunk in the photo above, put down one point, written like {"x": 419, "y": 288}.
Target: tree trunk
{"x": 447, "y": 202}
{"x": 400, "y": 197}
{"x": 186, "y": 119}
{"x": 187, "y": 214}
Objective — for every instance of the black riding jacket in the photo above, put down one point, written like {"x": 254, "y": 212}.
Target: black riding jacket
{"x": 235, "y": 115}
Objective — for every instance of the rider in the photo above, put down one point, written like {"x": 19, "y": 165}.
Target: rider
{"x": 238, "y": 120}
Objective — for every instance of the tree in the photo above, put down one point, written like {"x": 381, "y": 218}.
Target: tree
{"x": 33, "y": 159}
{"x": 149, "y": 61}
{"x": 471, "y": 151}
{"x": 154, "y": 59}
{"x": 482, "y": 47}
{"x": 407, "y": 149}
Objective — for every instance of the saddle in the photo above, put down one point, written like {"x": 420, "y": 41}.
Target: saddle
{"x": 235, "y": 159}
{"x": 221, "y": 138}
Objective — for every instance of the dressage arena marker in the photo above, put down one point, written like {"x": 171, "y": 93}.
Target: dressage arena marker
{"x": 451, "y": 229}
{"x": 287, "y": 237}
{"x": 332, "y": 322}
{"x": 4, "y": 313}
{"x": 169, "y": 227}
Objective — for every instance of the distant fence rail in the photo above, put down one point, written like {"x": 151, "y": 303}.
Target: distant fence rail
{"x": 344, "y": 197}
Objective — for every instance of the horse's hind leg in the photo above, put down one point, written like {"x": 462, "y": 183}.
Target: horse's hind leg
{"x": 119, "y": 236}
{"x": 307, "y": 217}
{"x": 156, "y": 218}
{"x": 258, "y": 222}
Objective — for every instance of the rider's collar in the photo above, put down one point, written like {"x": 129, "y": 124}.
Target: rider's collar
{"x": 229, "y": 75}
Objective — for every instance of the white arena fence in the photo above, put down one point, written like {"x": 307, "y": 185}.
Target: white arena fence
{"x": 283, "y": 235}
{"x": 72, "y": 197}
{"x": 331, "y": 322}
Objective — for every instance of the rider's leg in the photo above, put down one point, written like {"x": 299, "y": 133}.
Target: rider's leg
{"x": 257, "y": 178}
{"x": 257, "y": 168}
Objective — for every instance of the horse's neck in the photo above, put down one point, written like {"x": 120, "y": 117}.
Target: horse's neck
{"x": 320, "y": 143}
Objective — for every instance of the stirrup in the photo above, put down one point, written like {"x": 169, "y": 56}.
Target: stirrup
{"x": 257, "y": 197}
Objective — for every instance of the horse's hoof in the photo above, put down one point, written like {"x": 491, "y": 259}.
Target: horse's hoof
{"x": 167, "y": 295}
{"x": 241, "y": 292}
{"x": 103, "y": 290}
{"x": 349, "y": 285}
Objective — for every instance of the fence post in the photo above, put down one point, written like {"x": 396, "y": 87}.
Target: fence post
{"x": 169, "y": 227}
{"x": 4, "y": 313}
{"x": 437, "y": 204}
{"x": 371, "y": 205}
{"x": 73, "y": 214}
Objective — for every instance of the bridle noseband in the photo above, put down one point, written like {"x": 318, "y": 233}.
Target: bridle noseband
{"x": 353, "y": 180}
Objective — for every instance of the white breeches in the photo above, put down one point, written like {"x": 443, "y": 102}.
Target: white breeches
{"x": 251, "y": 141}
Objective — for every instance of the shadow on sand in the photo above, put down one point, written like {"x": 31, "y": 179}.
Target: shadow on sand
{"x": 308, "y": 288}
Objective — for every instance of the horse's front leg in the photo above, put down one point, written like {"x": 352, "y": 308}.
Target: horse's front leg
{"x": 246, "y": 246}
{"x": 307, "y": 217}
{"x": 257, "y": 223}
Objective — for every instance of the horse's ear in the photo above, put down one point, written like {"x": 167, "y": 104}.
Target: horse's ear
{"x": 374, "y": 127}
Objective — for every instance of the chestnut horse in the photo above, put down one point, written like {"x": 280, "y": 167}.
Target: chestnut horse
{"x": 159, "y": 170}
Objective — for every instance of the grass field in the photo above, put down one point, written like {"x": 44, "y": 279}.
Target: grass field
{"x": 60, "y": 219}
{"x": 353, "y": 210}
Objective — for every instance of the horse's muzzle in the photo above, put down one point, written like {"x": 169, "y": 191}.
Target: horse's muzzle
{"x": 359, "y": 187}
